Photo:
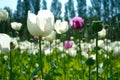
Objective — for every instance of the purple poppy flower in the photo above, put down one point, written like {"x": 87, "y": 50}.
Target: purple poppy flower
{"x": 68, "y": 44}
{"x": 77, "y": 23}
{"x": 36, "y": 38}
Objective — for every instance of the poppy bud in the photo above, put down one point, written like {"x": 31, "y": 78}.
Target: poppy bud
{"x": 90, "y": 62}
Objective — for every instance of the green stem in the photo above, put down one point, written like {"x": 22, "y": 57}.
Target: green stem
{"x": 80, "y": 57}
{"x": 10, "y": 65}
{"x": 2, "y": 69}
{"x": 107, "y": 68}
{"x": 64, "y": 69}
{"x": 56, "y": 50}
{"x": 50, "y": 52}
{"x": 64, "y": 65}
{"x": 96, "y": 56}
{"x": 41, "y": 62}
{"x": 111, "y": 73}
{"x": 0, "y": 63}
{"x": 107, "y": 60}
{"x": 89, "y": 71}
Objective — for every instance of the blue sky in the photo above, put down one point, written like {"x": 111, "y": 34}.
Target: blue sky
{"x": 9, "y": 3}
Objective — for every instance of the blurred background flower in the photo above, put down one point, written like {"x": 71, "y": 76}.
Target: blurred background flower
{"x": 61, "y": 26}
{"x": 102, "y": 33}
{"x": 16, "y": 25}
{"x": 36, "y": 38}
{"x": 68, "y": 44}
{"x": 51, "y": 36}
{"x": 3, "y": 15}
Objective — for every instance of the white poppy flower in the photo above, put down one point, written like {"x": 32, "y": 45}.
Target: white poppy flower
{"x": 41, "y": 24}
{"x": 102, "y": 33}
{"x": 72, "y": 52}
{"x": 16, "y": 26}
{"x": 3, "y": 15}
{"x": 51, "y": 36}
{"x": 101, "y": 43}
{"x": 5, "y": 57}
{"x": 61, "y": 27}
{"x": 31, "y": 24}
{"x": 5, "y": 43}
{"x": 45, "y": 22}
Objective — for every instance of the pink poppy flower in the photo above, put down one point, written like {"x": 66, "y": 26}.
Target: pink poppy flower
{"x": 77, "y": 23}
{"x": 68, "y": 44}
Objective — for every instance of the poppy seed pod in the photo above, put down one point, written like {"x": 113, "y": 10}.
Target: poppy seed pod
{"x": 12, "y": 46}
{"x": 90, "y": 62}
{"x": 96, "y": 26}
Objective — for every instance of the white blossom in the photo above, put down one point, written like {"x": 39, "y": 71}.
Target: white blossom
{"x": 61, "y": 26}
{"x": 16, "y": 25}
{"x": 102, "y": 33}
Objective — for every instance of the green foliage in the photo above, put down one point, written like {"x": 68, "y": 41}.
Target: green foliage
{"x": 57, "y": 67}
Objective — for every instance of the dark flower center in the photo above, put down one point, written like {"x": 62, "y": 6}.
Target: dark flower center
{"x": 76, "y": 24}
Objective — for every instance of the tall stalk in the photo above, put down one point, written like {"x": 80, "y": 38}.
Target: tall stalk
{"x": 80, "y": 55}
{"x": 64, "y": 69}
{"x": 64, "y": 62}
{"x": 111, "y": 67}
{"x": 10, "y": 65}
{"x": 96, "y": 49}
{"x": 50, "y": 53}
{"x": 89, "y": 72}
{"x": 56, "y": 50}
{"x": 41, "y": 61}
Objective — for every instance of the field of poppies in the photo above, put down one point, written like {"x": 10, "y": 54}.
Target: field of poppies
{"x": 58, "y": 50}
